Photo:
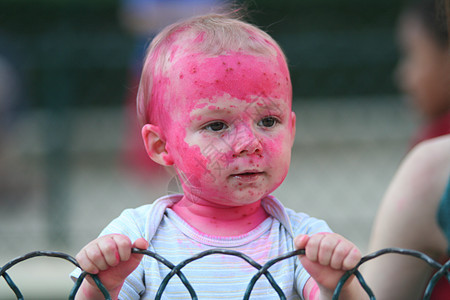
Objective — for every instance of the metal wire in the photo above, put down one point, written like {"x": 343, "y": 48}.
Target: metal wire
{"x": 443, "y": 270}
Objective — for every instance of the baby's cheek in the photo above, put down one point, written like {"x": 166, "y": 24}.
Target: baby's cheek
{"x": 193, "y": 165}
{"x": 278, "y": 150}
{"x": 275, "y": 146}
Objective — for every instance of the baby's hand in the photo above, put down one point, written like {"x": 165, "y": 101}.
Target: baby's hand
{"x": 111, "y": 259}
{"x": 327, "y": 257}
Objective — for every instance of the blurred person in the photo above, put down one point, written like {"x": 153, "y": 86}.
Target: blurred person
{"x": 408, "y": 216}
{"x": 423, "y": 72}
{"x": 143, "y": 19}
{"x": 215, "y": 104}
{"x": 414, "y": 214}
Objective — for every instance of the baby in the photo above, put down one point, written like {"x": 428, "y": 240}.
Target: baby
{"x": 214, "y": 103}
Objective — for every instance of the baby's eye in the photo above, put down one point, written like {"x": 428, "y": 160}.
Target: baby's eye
{"x": 268, "y": 122}
{"x": 216, "y": 126}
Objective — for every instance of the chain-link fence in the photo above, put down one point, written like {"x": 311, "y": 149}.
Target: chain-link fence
{"x": 442, "y": 270}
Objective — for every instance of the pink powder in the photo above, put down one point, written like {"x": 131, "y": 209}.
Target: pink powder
{"x": 315, "y": 292}
{"x": 238, "y": 87}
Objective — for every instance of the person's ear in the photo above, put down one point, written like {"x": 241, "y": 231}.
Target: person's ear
{"x": 293, "y": 121}
{"x": 155, "y": 145}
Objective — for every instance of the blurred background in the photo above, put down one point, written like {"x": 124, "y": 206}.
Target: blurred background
{"x": 70, "y": 158}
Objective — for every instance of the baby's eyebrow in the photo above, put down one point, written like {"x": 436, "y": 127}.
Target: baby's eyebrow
{"x": 212, "y": 110}
{"x": 260, "y": 107}
{"x": 268, "y": 106}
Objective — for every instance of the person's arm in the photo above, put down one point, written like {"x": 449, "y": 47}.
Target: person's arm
{"x": 327, "y": 257}
{"x": 407, "y": 219}
{"x": 111, "y": 259}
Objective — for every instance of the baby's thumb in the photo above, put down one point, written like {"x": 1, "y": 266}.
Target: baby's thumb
{"x": 300, "y": 241}
{"x": 141, "y": 244}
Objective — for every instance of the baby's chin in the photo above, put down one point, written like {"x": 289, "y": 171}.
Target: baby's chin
{"x": 227, "y": 195}
{"x": 240, "y": 199}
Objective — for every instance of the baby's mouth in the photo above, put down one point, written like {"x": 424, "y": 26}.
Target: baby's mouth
{"x": 247, "y": 176}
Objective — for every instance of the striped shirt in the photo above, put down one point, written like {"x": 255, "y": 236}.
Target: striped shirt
{"x": 218, "y": 275}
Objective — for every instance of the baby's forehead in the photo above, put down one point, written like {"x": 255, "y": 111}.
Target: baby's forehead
{"x": 238, "y": 74}
{"x": 226, "y": 66}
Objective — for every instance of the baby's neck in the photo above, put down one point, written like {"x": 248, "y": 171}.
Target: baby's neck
{"x": 220, "y": 220}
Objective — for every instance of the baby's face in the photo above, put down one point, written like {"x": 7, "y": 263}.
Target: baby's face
{"x": 231, "y": 128}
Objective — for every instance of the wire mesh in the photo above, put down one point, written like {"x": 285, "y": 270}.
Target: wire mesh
{"x": 442, "y": 270}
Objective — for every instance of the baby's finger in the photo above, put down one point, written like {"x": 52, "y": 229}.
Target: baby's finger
{"x": 141, "y": 244}
{"x": 109, "y": 251}
{"x": 352, "y": 259}
{"x": 340, "y": 252}
{"x": 312, "y": 248}
{"x": 300, "y": 241}
{"x": 326, "y": 248}
{"x": 85, "y": 263}
{"x": 95, "y": 256}
{"x": 124, "y": 246}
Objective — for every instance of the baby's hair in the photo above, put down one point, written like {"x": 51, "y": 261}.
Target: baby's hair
{"x": 432, "y": 14}
{"x": 209, "y": 35}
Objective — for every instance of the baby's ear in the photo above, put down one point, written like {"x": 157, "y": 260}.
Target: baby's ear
{"x": 155, "y": 145}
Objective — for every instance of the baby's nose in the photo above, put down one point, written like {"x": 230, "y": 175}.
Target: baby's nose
{"x": 246, "y": 142}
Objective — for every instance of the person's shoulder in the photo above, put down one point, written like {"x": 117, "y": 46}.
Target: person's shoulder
{"x": 130, "y": 219}
{"x": 424, "y": 174}
{"x": 438, "y": 144}
{"x": 275, "y": 208}
{"x": 297, "y": 216}
{"x": 297, "y": 222}
{"x": 142, "y": 221}
{"x": 138, "y": 211}
{"x": 305, "y": 224}
{"x": 158, "y": 206}
{"x": 430, "y": 154}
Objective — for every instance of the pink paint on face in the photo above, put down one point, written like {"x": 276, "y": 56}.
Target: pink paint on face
{"x": 239, "y": 75}
{"x": 229, "y": 127}
{"x": 249, "y": 158}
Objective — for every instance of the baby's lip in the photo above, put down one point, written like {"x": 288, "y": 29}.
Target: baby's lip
{"x": 250, "y": 170}
{"x": 247, "y": 173}
{"x": 250, "y": 176}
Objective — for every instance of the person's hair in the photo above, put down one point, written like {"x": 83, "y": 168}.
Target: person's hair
{"x": 432, "y": 14}
{"x": 214, "y": 34}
